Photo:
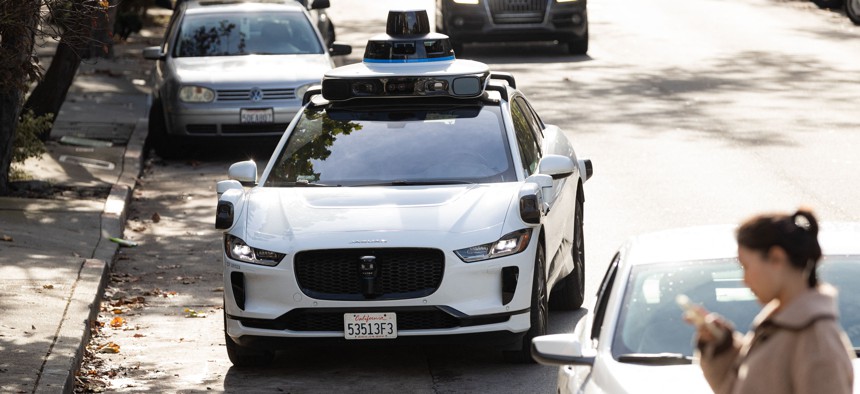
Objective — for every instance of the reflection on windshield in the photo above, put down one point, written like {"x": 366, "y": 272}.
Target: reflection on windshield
{"x": 650, "y": 324}
{"x": 651, "y": 320}
{"x": 396, "y": 147}
{"x": 246, "y": 33}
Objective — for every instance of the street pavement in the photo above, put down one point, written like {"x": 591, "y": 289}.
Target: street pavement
{"x": 55, "y": 251}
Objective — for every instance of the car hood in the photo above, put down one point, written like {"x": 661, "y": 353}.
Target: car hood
{"x": 614, "y": 377}
{"x": 304, "y": 212}
{"x": 257, "y": 69}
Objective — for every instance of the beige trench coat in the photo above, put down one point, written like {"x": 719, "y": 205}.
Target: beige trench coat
{"x": 800, "y": 349}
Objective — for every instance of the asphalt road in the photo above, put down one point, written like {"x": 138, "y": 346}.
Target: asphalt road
{"x": 693, "y": 111}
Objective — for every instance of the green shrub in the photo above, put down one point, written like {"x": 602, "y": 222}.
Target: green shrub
{"x": 27, "y": 142}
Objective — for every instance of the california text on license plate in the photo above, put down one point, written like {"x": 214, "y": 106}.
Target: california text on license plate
{"x": 369, "y": 325}
{"x": 265, "y": 115}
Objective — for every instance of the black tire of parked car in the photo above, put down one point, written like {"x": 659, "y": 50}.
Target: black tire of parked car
{"x": 539, "y": 312}
{"x": 158, "y": 139}
{"x": 579, "y": 45}
{"x": 828, "y": 3}
{"x": 242, "y": 356}
{"x": 852, "y": 9}
{"x": 570, "y": 291}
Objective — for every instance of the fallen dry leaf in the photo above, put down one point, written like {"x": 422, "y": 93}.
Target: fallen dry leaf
{"x": 117, "y": 311}
{"x": 6, "y": 238}
{"x": 156, "y": 217}
{"x": 48, "y": 286}
{"x": 192, "y": 313}
{"x": 109, "y": 347}
{"x": 117, "y": 322}
{"x": 139, "y": 335}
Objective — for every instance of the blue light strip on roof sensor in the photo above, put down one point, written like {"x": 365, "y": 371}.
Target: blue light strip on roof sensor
{"x": 435, "y": 59}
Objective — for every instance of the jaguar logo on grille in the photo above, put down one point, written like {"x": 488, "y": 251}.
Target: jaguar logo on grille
{"x": 256, "y": 94}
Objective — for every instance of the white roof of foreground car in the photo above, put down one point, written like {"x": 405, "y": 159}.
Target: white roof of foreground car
{"x": 718, "y": 241}
{"x": 204, "y": 7}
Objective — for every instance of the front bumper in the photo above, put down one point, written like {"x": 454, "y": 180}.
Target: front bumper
{"x": 219, "y": 120}
{"x": 471, "y": 298}
{"x": 563, "y": 22}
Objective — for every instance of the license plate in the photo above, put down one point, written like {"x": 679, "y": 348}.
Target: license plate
{"x": 265, "y": 115}
{"x": 369, "y": 325}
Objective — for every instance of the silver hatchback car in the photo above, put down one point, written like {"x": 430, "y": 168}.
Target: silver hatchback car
{"x": 234, "y": 69}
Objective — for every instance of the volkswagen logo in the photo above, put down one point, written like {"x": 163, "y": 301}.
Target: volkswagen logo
{"x": 256, "y": 94}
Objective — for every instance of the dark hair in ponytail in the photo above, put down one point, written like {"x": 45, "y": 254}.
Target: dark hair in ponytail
{"x": 797, "y": 234}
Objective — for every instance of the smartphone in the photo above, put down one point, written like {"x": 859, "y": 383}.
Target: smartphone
{"x": 696, "y": 315}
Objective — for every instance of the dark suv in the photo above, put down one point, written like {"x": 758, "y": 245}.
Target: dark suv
{"x": 565, "y": 21}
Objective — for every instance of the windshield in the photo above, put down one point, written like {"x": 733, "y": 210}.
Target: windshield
{"x": 650, "y": 321}
{"x": 426, "y": 145}
{"x": 272, "y": 33}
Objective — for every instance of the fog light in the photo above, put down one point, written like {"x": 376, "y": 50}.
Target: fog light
{"x": 459, "y": 21}
{"x": 577, "y": 19}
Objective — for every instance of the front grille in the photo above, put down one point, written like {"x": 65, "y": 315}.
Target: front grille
{"x": 307, "y": 320}
{"x": 201, "y": 129}
{"x": 518, "y": 11}
{"x": 270, "y": 128}
{"x": 402, "y": 273}
{"x": 245, "y": 94}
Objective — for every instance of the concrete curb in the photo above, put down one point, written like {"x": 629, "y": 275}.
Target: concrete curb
{"x": 59, "y": 369}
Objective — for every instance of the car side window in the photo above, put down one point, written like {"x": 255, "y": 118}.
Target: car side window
{"x": 603, "y": 296}
{"x": 526, "y": 140}
{"x": 532, "y": 118}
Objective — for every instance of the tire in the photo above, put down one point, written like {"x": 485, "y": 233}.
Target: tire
{"x": 828, "y": 3}
{"x": 579, "y": 45}
{"x": 157, "y": 137}
{"x": 571, "y": 291}
{"x": 242, "y": 356}
{"x": 852, "y": 9}
{"x": 539, "y": 313}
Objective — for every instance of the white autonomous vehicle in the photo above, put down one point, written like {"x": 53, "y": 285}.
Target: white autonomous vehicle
{"x": 415, "y": 197}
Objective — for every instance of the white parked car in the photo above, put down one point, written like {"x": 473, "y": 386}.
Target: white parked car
{"x": 415, "y": 197}
{"x": 635, "y": 341}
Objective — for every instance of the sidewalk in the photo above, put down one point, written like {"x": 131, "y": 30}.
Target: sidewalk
{"x": 55, "y": 253}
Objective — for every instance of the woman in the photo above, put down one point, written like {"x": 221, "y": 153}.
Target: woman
{"x": 796, "y": 344}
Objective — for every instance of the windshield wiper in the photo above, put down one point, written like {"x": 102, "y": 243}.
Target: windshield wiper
{"x": 655, "y": 358}
{"x": 419, "y": 183}
{"x": 304, "y": 184}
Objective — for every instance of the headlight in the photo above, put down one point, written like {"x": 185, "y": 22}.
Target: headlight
{"x": 196, "y": 94}
{"x": 300, "y": 91}
{"x": 466, "y": 1}
{"x": 509, "y": 244}
{"x": 237, "y": 249}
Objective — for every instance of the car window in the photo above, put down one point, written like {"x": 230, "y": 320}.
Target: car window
{"x": 843, "y": 272}
{"x": 526, "y": 141}
{"x": 355, "y": 148}
{"x": 273, "y": 33}
{"x": 651, "y": 321}
{"x": 532, "y": 118}
{"x": 603, "y": 297}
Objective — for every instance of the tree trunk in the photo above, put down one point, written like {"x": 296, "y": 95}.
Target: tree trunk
{"x": 49, "y": 95}
{"x": 10, "y": 108}
{"x": 16, "y": 48}
{"x": 90, "y": 39}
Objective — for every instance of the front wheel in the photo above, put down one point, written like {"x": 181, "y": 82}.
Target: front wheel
{"x": 242, "y": 356}
{"x": 158, "y": 137}
{"x": 539, "y": 312}
{"x": 578, "y": 45}
{"x": 852, "y": 9}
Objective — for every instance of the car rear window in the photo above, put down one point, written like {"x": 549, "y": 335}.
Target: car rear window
{"x": 274, "y": 33}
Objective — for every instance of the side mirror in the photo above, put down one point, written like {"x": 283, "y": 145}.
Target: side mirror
{"x": 556, "y": 166}
{"x": 338, "y": 49}
{"x": 559, "y": 349}
{"x": 153, "y": 53}
{"x": 320, "y": 4}
{"x": 589, "y": 168}
{"x": 245, "y": 172}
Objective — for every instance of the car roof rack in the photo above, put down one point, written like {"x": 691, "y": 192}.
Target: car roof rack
{"x": 505, "y": 77}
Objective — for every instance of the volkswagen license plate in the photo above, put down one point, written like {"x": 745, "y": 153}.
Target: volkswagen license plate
{"x": 369, "y": 325}
{"x": 264, "y": 115}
